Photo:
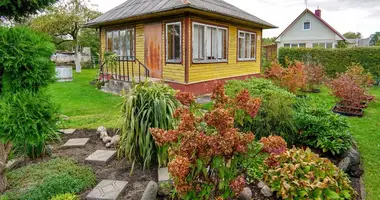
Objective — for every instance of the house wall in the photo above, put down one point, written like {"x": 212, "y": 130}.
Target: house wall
{"x": 319, "y": 33}
{"x": 203, "y": 72}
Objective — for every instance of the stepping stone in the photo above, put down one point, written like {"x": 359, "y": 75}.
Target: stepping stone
{"x": 79, "y": 142}
{"x": 163, "y": 175}
{"x": 13, "y": 163}
{"x": 101, "y": 157}
{"x": 67, "y": 131}
{"x": 107, "y": 190}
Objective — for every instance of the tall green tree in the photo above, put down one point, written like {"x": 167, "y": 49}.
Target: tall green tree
{"x": 375, "y": 38}
{"x": 269, "y": 40}
{"x": 18, "y": 9}
{"x": 353, "y": 35}
{"x": 64, "y": 22}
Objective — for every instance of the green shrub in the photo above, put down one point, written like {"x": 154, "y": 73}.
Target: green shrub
{"x": 335, "y": 60}
{"x": 67, "y": 196}
{"x": 275, "y": 114}
{"x": 29, "y": 120}
{"x": 146, "y": 106}
{"x": 320, "y": 128}
{"x": 253, "y": 163}
{"x": 25, "y": 60}
{"x": 47, "y": 179}
{"x": 300, "y": 174}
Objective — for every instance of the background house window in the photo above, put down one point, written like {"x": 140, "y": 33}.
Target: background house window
{"x": 247, "y": 45}
{"x": 173, "y": 42}
{"x": 121, "y": 42}
{"x": 209, "y": 43}
{"x": 323, "y": 45}
{"x": 295, "y": 45}
{"x": 306, "y": 25}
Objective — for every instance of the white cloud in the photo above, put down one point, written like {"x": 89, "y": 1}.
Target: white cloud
{"x": 343, "y": 15}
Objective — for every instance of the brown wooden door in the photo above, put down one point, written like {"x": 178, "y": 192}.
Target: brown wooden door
{"x": 153, "y": 45}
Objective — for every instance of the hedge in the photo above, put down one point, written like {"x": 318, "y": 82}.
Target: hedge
{"x": 335, "y": 60}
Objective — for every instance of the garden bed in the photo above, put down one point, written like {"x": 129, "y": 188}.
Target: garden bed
{"x": 348, "y": 111}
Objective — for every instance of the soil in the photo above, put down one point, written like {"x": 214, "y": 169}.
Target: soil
{"x": 115, "y": 170}
{"x": 348, "y": 111}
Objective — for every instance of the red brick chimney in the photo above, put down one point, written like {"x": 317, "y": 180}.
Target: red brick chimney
{"x": 318, "y": 12}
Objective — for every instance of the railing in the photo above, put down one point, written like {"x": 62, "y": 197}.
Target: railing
{"x": 127, "y": 69}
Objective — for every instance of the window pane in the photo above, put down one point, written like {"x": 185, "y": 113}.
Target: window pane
{"x": 128, "y": 43}
{"x": 198, "y": 42}
{"x": 241, "y": 47}
{"x": 306, "y": 25}
{"x": 253, "y": 46}
{"x": 214, "y": 43}
{"x": 174, "y": 42}
{"x": 294, "y": 45}
{"x": 329, "y": 45}
{"x": 208, "y": 43}
{"x": 170, "y": 41}
{"x": 109, "y": 42}
{"x": 247, "y": 45}
{"x": 177, "y": 40}
{"x": 122, "y": 43}
{"x": 287, "y": 45}
{"x": 222, "y": 44}
{"x": 315, "y": 45}
{"x": 116, "y": 42}
{"x": 302, "y": 45}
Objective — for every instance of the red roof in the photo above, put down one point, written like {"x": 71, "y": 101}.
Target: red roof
{"x": 320, "y": 19}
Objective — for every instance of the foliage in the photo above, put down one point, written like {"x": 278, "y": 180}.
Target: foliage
{"x": 206, "y": 151}
{"x": 301, "y": 174}
{"x": 315, "y": 75}
{"x": 335, "y": 60}
{"x": 275, "y": 113}
{"x": 17, "y": 9}
{"x": 348, "y": 92}
{"x": 67, "y": 196}
{"x": 320, "y": 128}
{"x": 341, "y": 44}
{"x": 253, "y": 162}
{"x": 29, "y": 121}
{"x": 352, "y": 35}
{"x": 360, "y": 77}
{"x": 47, "y": 179}
{"x": 375, "y": 38}
{"x": 110, "y": 60}
{"x": 292, "y": 78}
{"x": 146, "y": 106}
{"x": 273, "y": 144}
{"x": 267, "y": 41}
{"x": 25, "y": 60}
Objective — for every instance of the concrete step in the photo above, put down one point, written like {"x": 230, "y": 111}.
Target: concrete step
{"x": 101, "y": 157}
{"x": 107, "y": 190}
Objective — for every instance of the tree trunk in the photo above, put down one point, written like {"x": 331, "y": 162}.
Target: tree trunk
{"x": 77, "y": 58}
{"x": 4, "y": 153}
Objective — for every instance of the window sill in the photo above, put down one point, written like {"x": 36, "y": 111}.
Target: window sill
{"x": 173, "y": 62}
{"x": 246, "y": 60}
{"x": 209, "y": 61}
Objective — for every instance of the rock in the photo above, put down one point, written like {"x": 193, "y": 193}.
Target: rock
{"x": 107, "y": 139}
{"x": 266, "y": 191}
{"x": 345, "y": 164}
{"x": 115, "y": 140}
{"x": 108, "y": 145}
{"x": 356, "y": 171}
{"x": 13, "y": 163}
{"x": 150, "y": 192}
{"x": 101, "y": 129}
{"x": 164, "y": 189}
{"x": 246, "y": 194}
{"x": 103, "y": 134}
{"x": 261, "y": 184}
{"x": 354, "y": 156}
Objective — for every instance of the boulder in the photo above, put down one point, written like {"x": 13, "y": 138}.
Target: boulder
{"x": 246, "y": 194}
{"x": 266, "y": 191}
{"x": 108, "y": 145}
{"x": 345, "y": 164}
{"x": 103, "y": 134}
{"x": 261, "y": 184}
{"x": 356, "y": 171}
{"x": 115, "y": 140}
{"x": 150, "y": 192}
{"x": 101, "y": 129}
{"x": 107, "y": 139}
{"x": 354, "y": 156}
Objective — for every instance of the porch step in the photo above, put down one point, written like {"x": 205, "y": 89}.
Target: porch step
{"x": 117, "y": 87}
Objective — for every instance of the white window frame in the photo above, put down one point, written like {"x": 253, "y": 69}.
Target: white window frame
{"x": 304, "y": 26}
{"x": 132, "y": 43}
{"x": 205, "y": 60}
{"x": 255, "y": 49}
{"x": 325, "y": 44}
{"x": 294, "y": 46}
{"x": 180, "y": 42}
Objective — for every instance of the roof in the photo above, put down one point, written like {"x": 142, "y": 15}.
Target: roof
{"x": 133, "y": 8}
{"x": 319, "y": 18}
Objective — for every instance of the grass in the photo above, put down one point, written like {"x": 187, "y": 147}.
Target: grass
{"x": 85, "y": 106}
{"x": 366, "y": 131}
{"x": 47, "y": 179}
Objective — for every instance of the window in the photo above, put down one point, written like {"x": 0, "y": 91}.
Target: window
{"x": 247, "y": 45}
{"x": 307, "y": 26}
{"x": 323, "y": 45}
{"x": 295, "y": 45}
{"x": 121, "y": 42}
{"x": 173, "y": 42}
{"x": 209, "y": 43}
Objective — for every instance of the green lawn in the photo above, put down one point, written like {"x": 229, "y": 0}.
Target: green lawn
{"x": 366, "y": 131}
{"x": 85, "y": 106}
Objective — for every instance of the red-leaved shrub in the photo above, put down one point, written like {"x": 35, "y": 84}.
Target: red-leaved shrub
{"x": 315, "y": 75}
{"x": 273, "y": 144}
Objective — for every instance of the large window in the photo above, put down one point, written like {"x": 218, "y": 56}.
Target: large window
{"x": 323, "y": 45}
{"x": 247, "y": 45}
{"x": 295, "y": 45}
{"x": 121, "y": 42}
{"x": 209, "y": 43}
{"x": 173, "y": 42}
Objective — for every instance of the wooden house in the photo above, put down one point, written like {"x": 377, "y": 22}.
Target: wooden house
{"x": 189, "y": 44}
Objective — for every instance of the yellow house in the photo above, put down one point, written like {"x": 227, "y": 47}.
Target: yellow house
{"x": 190, "y": 44}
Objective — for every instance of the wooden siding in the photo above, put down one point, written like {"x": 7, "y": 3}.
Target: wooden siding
{"x": 200, "y": 72}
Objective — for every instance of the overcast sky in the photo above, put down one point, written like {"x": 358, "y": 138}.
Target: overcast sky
{"x": 344, "y": 15}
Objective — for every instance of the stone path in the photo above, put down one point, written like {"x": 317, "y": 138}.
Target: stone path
{"x": 163, "y": 175}
{"x": 80, "y": 142}
{"x": 107, "y": 190}
{"x": 101, "y": 157}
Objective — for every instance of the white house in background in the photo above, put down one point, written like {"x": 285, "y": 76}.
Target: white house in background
{"x": 309, "y": 30}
